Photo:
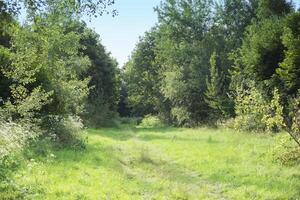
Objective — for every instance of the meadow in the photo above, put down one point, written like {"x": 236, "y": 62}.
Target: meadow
{"x": 161, "y": 163}
{"x": 231, "y": 64}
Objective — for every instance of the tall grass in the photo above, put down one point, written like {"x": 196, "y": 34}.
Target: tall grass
{"x": 163, "y": 163}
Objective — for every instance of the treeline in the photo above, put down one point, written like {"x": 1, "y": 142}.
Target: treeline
{"x": 210, "y": 62}
{"x": 55, "y": 76}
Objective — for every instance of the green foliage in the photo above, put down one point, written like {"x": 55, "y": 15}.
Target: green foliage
{"x": 270, "y": 8}
{"x": 167, "y": 72}
{"x": 250, "y": 107}
{"x": 123, "y": 107}
{"x": 150, "y": 121}
{"x": 26, "y": 104}
{"x": 269, "y": 57}
{"x": 185, "y": 71}
{"x": 175, "y": 88}
{"x": 51, "y": 84}
{"x": 65, "y": 131}
{"x": 289, "y": 71}
{"x": 215, "y": 95}
{"x": 131, "y": 121}
{"x": 234, "y": 16}
{"x": 292, "y": 118}
{"x": 14, "y": 137}
{"x": 181, "y": 116}
{"x": 254, "y": 112}
{"x": 260, "y": 54}
{"x": 180, "y": 51}
{"x": 285, "y": 150}
{"x": 91, "y": 8}
{"x": 103, "y": 74}
{"x": 142, "y": 77}
{"x": 273, "y": 118}
{"x": 100, "y": 114}
{"x": 4, "y": 81}
{"x": 48, "y": 67}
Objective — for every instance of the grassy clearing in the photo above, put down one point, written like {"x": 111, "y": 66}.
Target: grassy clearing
{"x": 165, "y": 163}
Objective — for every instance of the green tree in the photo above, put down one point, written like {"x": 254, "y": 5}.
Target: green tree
{"x": 142, "y": 77}
{"x": 233, "y": 16}
{"x": 57, "y": 75}
{"x": 104, "y": 84}
{"x": 270, "y": 8}
{"x": 182, "y": 53}
{"x": 289, "y": 70}
{"x": 91, "y": 7}
{"x": 262, "y": 49}
{"x": 260, "y": 55}
{"x": 214, "y": 95}
{"x": 5, "y": 21}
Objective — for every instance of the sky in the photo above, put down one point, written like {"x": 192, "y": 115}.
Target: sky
{"x": 119, "y": 34}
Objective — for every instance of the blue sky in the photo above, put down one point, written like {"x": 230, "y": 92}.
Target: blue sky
{"x": 120, "y": 34}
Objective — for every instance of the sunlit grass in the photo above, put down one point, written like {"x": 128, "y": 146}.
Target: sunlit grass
{"x": 165, "y": 163}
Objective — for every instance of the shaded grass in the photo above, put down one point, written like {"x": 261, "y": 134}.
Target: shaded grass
{"x": 165, "y": 163}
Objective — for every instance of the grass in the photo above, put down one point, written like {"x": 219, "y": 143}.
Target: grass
{"x": 165, "y": 163}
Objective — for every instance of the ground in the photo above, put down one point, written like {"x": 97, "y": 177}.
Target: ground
{"x": 165, "y": 163}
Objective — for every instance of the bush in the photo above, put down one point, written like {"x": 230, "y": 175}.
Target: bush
{"x": 13, "y": 137}
{"x": 150, "y": 121}
{"x": 273, "y": 118}
{"x": 100, "y": 115}
{"x": 40, "y": 150}
{"x": 130, "y": 120}
{"x": 285, "y": 151}
{"x": 66, "y": 131}
{"x": 254, "y": 112}
{"x": 181, "y": 115}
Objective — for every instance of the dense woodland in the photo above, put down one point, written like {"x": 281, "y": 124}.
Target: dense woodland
{"x": 232, "y": 63}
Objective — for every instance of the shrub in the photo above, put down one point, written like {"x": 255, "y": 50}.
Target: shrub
{"x": 250, "y": 107}
{"x": 13, "y": 137}
{"x": 130, "y": 120}
{"x": 254, "y": 112}
{"x": 293, "y": 107}
{"x": 273, "y": 118}
{"x": 181, "y": 115}
{"x": 40, "y": 150}
{"x": 150, "y": 121}
{"x": 99, "y": 115}
{"x": 66, "y": 131}
{"x": 285, "y": 151}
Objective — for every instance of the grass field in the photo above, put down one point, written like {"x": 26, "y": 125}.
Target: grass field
{"x": 166, "y": 163}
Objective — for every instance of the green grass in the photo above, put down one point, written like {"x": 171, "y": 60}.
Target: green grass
{"x": 166, "y": 163}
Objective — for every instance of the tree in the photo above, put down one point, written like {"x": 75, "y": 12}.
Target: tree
{"x": 233, "y": 16}
{"x": 36, "y": 78}
{"x": 142, "y": 77}
{"x": 5, "y": 21}
{"x": 182, "y": 53}
{"x": 214, "y": 95}
{"x": 271, "y": 8}
{"x": 262, "y": 49}
{"x": 260, "y": 55}
{"x": 289, "y": 74}
{"x": 91, "y": 8}
{"x": 104, "y": 84}
{"x": 123, "y": 107}
{"x": 289, "y": 71}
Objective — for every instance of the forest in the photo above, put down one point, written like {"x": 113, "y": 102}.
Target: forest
{"x": 206, "y": 107}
